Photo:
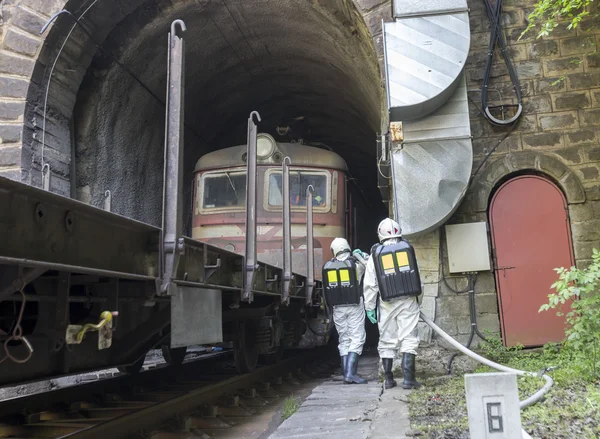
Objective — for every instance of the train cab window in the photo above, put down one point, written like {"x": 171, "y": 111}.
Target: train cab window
{"x": 299, "y": 181}
{"x": 224, "y": 190}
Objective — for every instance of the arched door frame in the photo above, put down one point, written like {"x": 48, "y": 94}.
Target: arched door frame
{"x": 508, "y": 179}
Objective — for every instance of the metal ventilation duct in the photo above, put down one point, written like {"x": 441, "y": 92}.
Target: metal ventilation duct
{"x": 425, "y": 53}
{"x": 431, "y": 169}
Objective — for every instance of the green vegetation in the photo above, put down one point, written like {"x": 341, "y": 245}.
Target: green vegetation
{"x": 570, "y": 410}
{"x": 547, "y": 15}
{"x": 578, "y": 289}
{"x": 572, "y": 407}
{"x": 290, "y": 406}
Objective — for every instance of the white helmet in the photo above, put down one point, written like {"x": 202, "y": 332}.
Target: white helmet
{"x": 388, "y": 228}
{"x": 339, "y": 245}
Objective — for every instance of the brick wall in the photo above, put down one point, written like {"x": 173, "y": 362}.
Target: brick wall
{"x": 557, "y": 136}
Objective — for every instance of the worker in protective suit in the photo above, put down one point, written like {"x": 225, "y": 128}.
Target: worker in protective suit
{"x": 342, "y": 278}
{"x": 392, "y": 276}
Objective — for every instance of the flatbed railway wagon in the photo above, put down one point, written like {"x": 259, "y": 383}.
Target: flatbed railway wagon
{"x": 82, "y": 288}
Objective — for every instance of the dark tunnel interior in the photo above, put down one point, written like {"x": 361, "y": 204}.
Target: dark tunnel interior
{"x": 307, "y": 64}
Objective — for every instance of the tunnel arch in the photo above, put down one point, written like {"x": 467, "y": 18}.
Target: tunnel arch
{"x": 314, "y": 59}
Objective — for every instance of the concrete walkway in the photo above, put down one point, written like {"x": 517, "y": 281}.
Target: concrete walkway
{"x": 335, "y": 410}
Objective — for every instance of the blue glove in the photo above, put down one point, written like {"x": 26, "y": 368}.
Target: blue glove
{"x": 359, "y": 251}
{"x": 372, "y": 316}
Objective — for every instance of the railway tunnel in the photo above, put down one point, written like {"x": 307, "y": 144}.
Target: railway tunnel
{"x": 310, "y": 65}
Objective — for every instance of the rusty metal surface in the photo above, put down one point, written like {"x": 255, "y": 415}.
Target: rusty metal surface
{"x": 40, "y": 226}
{"x": 531, "y": 237}
{"x": 275, "y": 257}
{"x": 106, "y": 244}
{"x": 172, "y": 214}
{"x": 303, "y": 155}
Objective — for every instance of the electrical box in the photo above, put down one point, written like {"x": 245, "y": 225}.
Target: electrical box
{"x": 468, "y": 248}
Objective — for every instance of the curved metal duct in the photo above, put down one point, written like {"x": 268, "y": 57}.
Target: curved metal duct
{"x": 431, "y": 169}
{"x": 425, "y": 53}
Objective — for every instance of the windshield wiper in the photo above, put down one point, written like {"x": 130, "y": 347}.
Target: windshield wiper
{"x": 231, "y": 183}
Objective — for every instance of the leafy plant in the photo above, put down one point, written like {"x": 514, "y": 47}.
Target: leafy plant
{"x": 581, "y": 290}
{"x": 494, "y": 350}
{"x": 548, "y": 13}
{"x": 290, "y": 406}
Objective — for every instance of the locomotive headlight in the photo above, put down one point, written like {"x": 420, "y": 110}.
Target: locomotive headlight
{"x": 230, "y": 247}
{"x": 265, "y": 146}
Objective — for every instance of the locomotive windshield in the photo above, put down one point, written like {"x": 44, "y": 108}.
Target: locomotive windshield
{"x": 224, "y": 190}
{"x": 299, "y": 181}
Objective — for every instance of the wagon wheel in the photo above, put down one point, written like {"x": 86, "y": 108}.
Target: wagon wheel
{"x": 133, "y": 368}
{"x": 245, "y": 352}
{"x": 174, "y": 356}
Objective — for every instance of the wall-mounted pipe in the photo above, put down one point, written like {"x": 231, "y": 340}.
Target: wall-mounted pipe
{"x": 287, "y": 230}
{"x": 310, "y": 256}
{"x": 250, "y": 259}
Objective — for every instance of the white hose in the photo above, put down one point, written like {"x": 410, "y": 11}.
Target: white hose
{"x": 360, "y": 259}
{"x": 525, "y": 403}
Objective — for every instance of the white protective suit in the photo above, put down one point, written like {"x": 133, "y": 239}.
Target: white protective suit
{"x": 397, "y": 319}
{"x": 350, "y": 319}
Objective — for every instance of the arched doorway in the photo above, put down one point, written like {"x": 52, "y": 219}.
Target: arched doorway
{"x": 530, "y": 237}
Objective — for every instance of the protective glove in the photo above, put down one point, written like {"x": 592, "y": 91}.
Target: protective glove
{"x": 372, "y": 316}
{"x": 360, "y": 252}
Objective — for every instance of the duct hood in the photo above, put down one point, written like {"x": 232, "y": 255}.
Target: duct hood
{"x": 432, "y": 167}
{"x": 425, "y": 51}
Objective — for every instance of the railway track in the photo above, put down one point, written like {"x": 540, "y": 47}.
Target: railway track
{"x": 163, "y": 403}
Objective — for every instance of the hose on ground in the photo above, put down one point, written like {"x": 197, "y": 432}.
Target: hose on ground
{"x": 525, "y": 403}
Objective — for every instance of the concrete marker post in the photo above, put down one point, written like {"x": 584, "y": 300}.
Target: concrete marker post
{"x": 493, "y": 406}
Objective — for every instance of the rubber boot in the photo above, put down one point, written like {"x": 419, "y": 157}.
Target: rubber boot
{"x": 388, "y": 363}
{"x": 408, "y": 370}
{"x": 350, "y": 377}
{"x": 343, "y": 362}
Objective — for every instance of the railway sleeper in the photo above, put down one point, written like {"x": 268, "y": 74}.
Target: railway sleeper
{"x": 228, "y": 409}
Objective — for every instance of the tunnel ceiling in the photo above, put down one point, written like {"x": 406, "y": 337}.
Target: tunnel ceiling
{"x": 287, "y": 59}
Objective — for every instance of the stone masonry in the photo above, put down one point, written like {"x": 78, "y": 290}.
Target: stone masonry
{"x": 557, "y": 137}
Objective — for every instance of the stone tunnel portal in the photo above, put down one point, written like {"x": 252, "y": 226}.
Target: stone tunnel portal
{"x": 309, "y": 64}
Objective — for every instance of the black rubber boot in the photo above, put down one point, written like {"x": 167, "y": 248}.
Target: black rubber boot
{"x": 408, "y": 370}
{"x": 388, "y": 363}
{"x": 350, "y": 377}
{"x": 343, "y": 362}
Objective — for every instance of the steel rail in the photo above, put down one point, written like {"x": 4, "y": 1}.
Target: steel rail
{"x": 158, "y": 414}
{"x": 39, "y": 402}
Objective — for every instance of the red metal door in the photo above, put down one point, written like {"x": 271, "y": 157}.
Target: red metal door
{"x": 531, "y": 236}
